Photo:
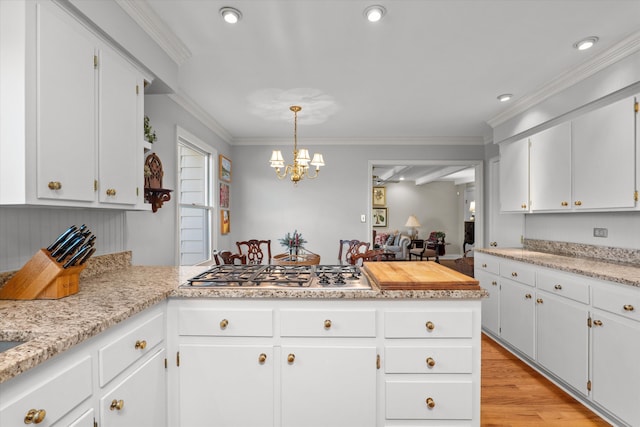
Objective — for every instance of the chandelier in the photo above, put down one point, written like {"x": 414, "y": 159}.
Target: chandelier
{"x": 301, "y": 160}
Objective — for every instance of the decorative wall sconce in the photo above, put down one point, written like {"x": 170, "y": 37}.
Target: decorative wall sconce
{"x": 153, "y": 191}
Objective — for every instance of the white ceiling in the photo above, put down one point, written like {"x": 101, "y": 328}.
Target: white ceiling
{"x": 430, "y": 70}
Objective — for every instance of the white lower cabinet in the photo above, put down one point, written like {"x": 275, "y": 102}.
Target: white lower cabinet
{"x": 517, "y": 310}
{"x": 320, "y": 363}
{"x": 583, "y": 332}
{"x": 64, "y": 391}
{"x": 491, "y": 304}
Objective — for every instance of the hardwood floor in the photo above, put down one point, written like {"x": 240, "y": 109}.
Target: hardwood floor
{"x": 513, "y": 394}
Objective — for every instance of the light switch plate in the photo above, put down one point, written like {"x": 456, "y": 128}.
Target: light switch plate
{"x": 600, "y": 232}
{"x": 363, "y": 218}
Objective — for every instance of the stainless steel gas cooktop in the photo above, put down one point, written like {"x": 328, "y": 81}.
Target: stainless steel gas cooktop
{"x": 282, "y": 276}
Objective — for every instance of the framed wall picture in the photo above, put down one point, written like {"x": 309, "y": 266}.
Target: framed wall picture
{"x": 379, "y": 196}
{"x": 225, "y": 221}
{"x": 379, "y": 217}
{"x": 224, "y": 195}
{"x": 225, "y": 168}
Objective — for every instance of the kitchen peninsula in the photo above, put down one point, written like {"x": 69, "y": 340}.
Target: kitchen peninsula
{"x": 289, "y": 355}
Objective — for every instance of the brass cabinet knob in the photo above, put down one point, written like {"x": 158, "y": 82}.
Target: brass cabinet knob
{"x": 494, "y": 283}
{"x": 262, "y": 358}
{"x": 628, "y": 307}
{"x": 564, "y": 204}
{"x": 484, "y": 265}
{"x": 577, "y": 203}
{"x": 430, "y": 326}
{"x": 528, "y": 296}
{"x": 514, "y": 274}
{"x": 224, "y": 323}
{"x": 597, "y": 322}
{"x": 35, "y": 416}
{"x": 539, "y": 301}
{"x": 494, "y": 244}
{"x": 430, "y": 403}
{"x": 141, "y": 345}
{"x": 327, "y": 324}
{"x": 111, "y": 191}
{"x": 116, "y": 404}
{"x": 431, "y": 362}
{"x": 291, "y": 358}
{"x": 557, "y": 287}
{"x": 54, "y": 185}
{"x": 523, "y": 206}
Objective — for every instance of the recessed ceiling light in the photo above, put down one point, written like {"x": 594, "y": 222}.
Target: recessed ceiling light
{"x": 586, "y": 43}
{"x": 505, "y": 97}
{"x": 374, "y": 13}
{"x": 230, "y": 15}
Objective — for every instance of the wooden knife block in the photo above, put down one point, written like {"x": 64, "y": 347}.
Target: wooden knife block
{"x": 42, "y": 277}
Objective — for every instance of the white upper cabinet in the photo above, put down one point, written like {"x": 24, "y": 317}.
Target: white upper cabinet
{"x": 514, "y": 176}
{"x": 78, "y": 137}
{"x": 604, "y": 157}
{"x": 550, "y": 165}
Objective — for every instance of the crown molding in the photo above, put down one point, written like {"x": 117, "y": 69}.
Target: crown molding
{"x": 429, "y": 140}
{"x": 619, "y": 51}
{"x": 199, "y": 113}
{"x": 156, "y": 28}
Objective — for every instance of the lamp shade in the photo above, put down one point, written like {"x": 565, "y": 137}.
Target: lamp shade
{"x": 472, "y": 206}
{"x": 412, "y": 222}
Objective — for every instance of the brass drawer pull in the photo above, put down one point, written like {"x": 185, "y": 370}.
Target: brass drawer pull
{"x": 111, "y": 192}
{"x": 528, "y": 296}
{"x": 35, "y": 416}
{"x": 494, "y": 283}
{"x": 116, "y": 404}
{"x": 597, "y": 322}
{"x": 484, "y": 265}
{"x": 291, "y": 358}
{"x": 514, "y": 274}
{"x": 564, "y": 204}
{"x": 431, "y": 362}
{"x": 224, "y": 323}
{"x": 539, "y": 301}
{"x": 523, "y": 206}
{"x": 628, "y": 307}
{"x": 577, "y": 203}
{"x": 557, "y": 287}
{"x": 430, "y": 403}
{"x": 327, "y": 324}
{"x": 430, "y": 326}
{"x": 262, "y": 358}
{"x": 54, "y": 185}
{"x": 141, "y": 345}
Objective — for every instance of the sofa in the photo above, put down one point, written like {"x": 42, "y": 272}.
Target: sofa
{"x": 393, "y": 242}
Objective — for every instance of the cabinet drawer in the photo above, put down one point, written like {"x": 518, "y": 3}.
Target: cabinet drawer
{"x": 519, "y": 272}
{"x": 124, "y": 351}
{"x": 618, "y": 301}
{"x": 408, "y": 400}
{"x": 487, "y": 263}
{"x": 228, "y": 323}
{"x": 57, "y": 396}
{"x": 428, "y": 360}
{"x": 428, "y": 324}
{"x": 328, "y": 323}
{"x": 565, "y": 285}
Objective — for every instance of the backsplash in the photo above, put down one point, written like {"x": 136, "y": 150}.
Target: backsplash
{"x": 579, "y": 250}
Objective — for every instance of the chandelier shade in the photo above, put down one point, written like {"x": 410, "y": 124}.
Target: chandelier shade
{"x": 301, "y": 159}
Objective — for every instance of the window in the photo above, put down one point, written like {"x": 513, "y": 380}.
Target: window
{"x": 195, "y": 204}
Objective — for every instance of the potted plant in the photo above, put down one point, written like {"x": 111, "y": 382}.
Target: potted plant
{"x": 149, "y": 133}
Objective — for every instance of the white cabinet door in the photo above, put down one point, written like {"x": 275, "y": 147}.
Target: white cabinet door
{"x": 562, "y": 339}
{"x": 550, "y": 165}
{"x": 120, "y": 132}
{"x": 517, "y": 312}
{"x": 226, "y": 385}
{"x": 491, "y": 304}
{"x": 140, "y": 399}
{"x": 604, "y": 157}
{"x": 615, "y": 367}
{"x": 514, "y": 176}
{"x": 505, "y": 230}
{"x": 315, "y": 386}
{"x": 65, "y": 117}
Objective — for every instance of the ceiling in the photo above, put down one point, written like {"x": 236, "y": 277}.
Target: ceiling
{"x": 428, "y": 72}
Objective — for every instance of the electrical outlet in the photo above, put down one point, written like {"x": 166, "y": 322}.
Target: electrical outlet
{"x": 363, "y": 218}
{"x": 600, "y": 232}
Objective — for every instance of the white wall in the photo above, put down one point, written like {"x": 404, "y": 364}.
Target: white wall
{"x": 324, "y": 210}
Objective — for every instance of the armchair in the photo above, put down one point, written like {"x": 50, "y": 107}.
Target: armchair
{"x": 420, "y": 250}
{"x": 399, "y": 246}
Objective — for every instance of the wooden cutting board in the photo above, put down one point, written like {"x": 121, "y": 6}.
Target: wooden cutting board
{"x": 418, "y": 275}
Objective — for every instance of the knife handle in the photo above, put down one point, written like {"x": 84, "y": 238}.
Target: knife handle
{"x": 61, "y": 238}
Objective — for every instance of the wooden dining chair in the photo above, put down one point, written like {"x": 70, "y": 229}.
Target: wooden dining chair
{"x": 370, "y": 255}
{"x": 255, "y": 250}
{"x": 350, "y": 248}
{"x": 228, "y": 257}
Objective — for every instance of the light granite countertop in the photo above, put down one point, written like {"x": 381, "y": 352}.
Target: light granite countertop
{"x": 623, "y": 273}
{"x": 52, "y": 326}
